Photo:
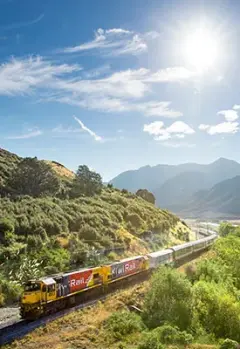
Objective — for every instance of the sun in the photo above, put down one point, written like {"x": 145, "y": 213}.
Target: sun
{"x": 200, "y": 49}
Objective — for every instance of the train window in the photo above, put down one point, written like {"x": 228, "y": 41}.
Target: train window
{"x": 31, "y": 287}
{"x": 96, "y": 276}
{"x": 51, "y": 288}
{"x": 44, "y": 288}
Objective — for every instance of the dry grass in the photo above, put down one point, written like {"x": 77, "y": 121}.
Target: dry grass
{"x": 136, "y": 245}
{"x": 61, "y": 170}
{"x": 63, "y": 241}
{"x": 82, "y": 329}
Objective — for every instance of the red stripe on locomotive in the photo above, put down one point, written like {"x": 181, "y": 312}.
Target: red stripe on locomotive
{"x": 79, "y": 280}
{"x": 126, "y": 268}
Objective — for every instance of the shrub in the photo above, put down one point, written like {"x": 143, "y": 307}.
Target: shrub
{"x": 122, "y": 323}
{"x": 9, "y": 291}
{"x": 150, "y": 340}
{"x": 168, "y": 300}
{"x": 172, "y": 335}
{"x": 34, "y": 242}
{"x": 217, "y": 310}
{"x": 6, "y": 225}
{"x": 88, "y": 233}
{"x": 135, "y": 220}
{"x": 229, "y": 344}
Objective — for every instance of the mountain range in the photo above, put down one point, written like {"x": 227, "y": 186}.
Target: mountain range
{"x": 191, "y": 189}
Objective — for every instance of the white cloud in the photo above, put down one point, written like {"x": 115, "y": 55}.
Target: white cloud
{"x": 230, "y": 115}
{"x": 85, "y": 128}
{"x": 30, "y": 134}
{"x": 229, "y": 126}
{"x": 113, "y": 105}
{"x": 180, "y": 127}
{"x": 116, "y": 41}
{"x": 180, "y": 135}
{"x": 121, "y": 91}
{"x": 173, "y": 74}
{"x": 177, "y": 130}
{"x": 203, "y": 127}
{"x": 22, "y": 24}
{"x": 179, "y": 145}
{"x": 22, "y": 76}
{"x": 158, "y": 109}
{"x": 236, "y": 107}
{"x": 224, "y": 127}
{"x": 155, "y": 128}
{"x": 62, "y": 129}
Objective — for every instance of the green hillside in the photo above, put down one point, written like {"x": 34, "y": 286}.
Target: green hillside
{"x": 49, "y": 233}
{"x": 8, "y": 161}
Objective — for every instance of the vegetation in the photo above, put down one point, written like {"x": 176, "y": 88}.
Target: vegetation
{"x": 86, "y": 182}
{"x": 205, "y": 314}
{"x": 33, "y": 177}
{"x": 52, "y": 221}
{"x": 169, "y": 299}
{"x": 146, "y": 195}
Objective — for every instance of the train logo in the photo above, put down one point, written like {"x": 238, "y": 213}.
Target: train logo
{"x": 80, "y": 280}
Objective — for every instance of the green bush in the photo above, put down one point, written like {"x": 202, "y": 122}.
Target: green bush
{"x": 135, "y": 220}
{"x": 168, "y": 300}
{"x": 123, "y": 323}
{"x": 6, "y": 226}
{"x": 172, "y": 335}
{"x": 165, "y": 334}
{"x": 217, "y": 310}
{"x": 229, "y": 344}
{"x": 9, "y": 291}
{"x": 150, "y": 340}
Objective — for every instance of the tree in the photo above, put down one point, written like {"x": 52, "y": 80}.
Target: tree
{"x": 216, "y": 309}
{"x": 86, "y": 182}
{"x": 146, "y": 195}
{"x": 168, "y": 300}
{"x": 33, "y": 177}
{"x": 225, "y": 229}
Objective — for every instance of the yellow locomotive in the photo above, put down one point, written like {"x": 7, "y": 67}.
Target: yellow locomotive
{"x": 53, "y": 293}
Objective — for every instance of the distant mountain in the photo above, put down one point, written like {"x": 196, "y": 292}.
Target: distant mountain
{"x": 177, "y": 188}
{"x": 152, "y": 177}
{"x": 176, "y": 191}
{"x": 221, "y": 201}
{"x": 145, "y": 177}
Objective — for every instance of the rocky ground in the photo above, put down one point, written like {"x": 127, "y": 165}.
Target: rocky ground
{"x": 9, "y": 315}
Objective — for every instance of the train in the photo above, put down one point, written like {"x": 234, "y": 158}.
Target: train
{"x": 53, "y": 293}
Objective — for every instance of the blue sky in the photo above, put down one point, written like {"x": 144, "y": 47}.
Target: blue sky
{"x": 120, "y": 84}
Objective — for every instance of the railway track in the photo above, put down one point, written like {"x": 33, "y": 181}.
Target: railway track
{"x": 21, "y": 328}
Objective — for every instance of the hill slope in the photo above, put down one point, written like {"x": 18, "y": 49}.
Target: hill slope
{"x": 222, "y": 200}
{"x": 8, "y": 161}
{"x": 45, "y": 235}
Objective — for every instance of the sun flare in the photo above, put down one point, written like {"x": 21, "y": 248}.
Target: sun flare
{"x": 201, "y": 49}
